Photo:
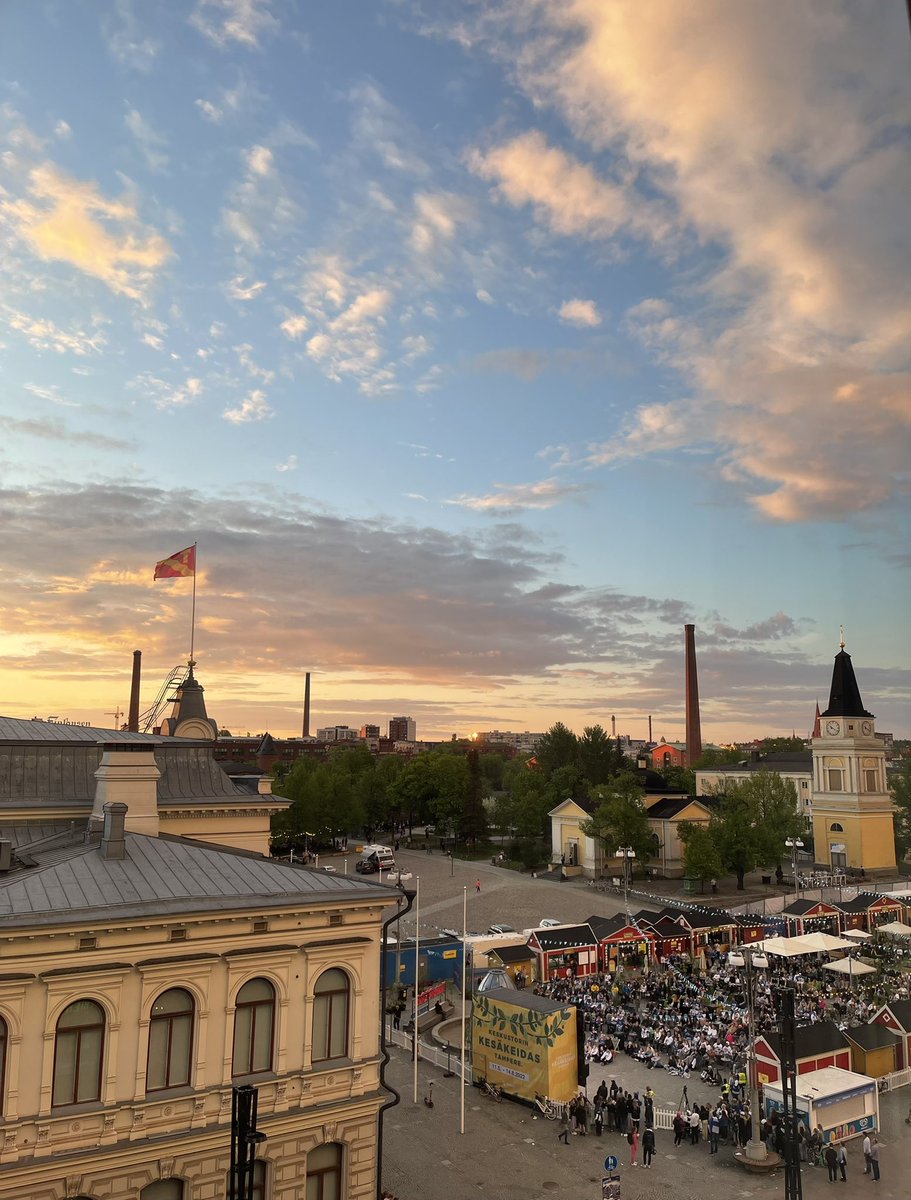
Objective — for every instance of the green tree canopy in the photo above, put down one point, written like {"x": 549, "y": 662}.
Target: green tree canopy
{"x": 559, "y": 747}
{"x": 900, "y": 785}
{"x": 473, "y": 818}
{"x": 734, "y": 828}
{"x": 701, "y": 859}
{"x": 620, "y": 818}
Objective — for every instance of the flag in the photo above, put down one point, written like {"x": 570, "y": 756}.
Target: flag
{"x": 178, "y": 565}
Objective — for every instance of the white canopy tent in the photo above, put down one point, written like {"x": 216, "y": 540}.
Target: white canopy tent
{"x": 824, "y": 942}
{"x": 849, "y": 966}
{"x": 790, "y": 947}
{"x": 858, "y": 935}
{"x": 895, "y": 928}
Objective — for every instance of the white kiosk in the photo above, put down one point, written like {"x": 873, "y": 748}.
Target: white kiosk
{"x": 844, "y": 1103}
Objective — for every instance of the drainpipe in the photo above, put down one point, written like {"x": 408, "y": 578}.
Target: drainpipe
{"x": 384, "y": 1062}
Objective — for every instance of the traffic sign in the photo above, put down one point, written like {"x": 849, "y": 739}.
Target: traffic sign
{"x": 611, "y": 1162}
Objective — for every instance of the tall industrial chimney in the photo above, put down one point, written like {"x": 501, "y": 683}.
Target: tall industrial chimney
{"x": 133, "y": 718}
{"x": 693, "y": 727}
{"x": 650, "y": 729}
{"x": 307, "y": 705}
{"x": 613, "y": 726}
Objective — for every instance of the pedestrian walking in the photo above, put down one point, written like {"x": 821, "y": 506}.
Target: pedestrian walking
{"x": 648, "y": 1147}
{"x": 477, "y": 885}
{"x": 831, "y": 1157}
{"x": 633, "y": 1138}
{"x": 843, "y": 1162}
{"x": 563, "y": 1135}
{"x": 874, "y": 1159}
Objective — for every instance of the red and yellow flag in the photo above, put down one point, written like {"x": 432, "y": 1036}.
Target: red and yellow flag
{"x": 178, "y": 565}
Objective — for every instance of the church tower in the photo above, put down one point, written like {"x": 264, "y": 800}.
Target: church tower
{"x": 852, "y": 808}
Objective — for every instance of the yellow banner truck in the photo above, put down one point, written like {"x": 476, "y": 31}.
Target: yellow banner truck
{"x": 524, "y": 1044}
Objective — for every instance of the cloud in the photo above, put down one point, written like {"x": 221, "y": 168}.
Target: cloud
{"x": 252, "y": 408}
{"x": 484, "y": 296}
{"x": 527, "y": 364}
{"x": 760, "y": 142}
{"x": 43, "y": 334}
{"x": 164, "y": 393}
{"x": 348, "y": 343}
{"x": 66, "y": 220}
{"x": 512, "y": 498}
{"x": 290, "y": 464}
{"x": 126, "y": 40}
{"x": 773, "y": 628}
{"x": 568, "y": 196}
{"x": 244, "y": 354}
{"x": 240, "y": 22}
{"x": 238, "y": 288}
{"x": 260, "y": 207}
{"x": 581, "y": 313}
{"x": 56, "y": 431}
{"x": 150, "y": 143}
{"x": 62, "y": 131}
{"x": 295, "y": 326}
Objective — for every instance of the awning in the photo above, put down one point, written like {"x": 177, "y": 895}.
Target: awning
{"x": 823, "y": 942}
{"x": 857, "y": 935}
{"x": 784, "y": 947}
{"x": 896, "y": 928}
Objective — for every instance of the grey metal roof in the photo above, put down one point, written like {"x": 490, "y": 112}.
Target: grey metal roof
{"x": 161, "y": 875}
{"x": 14, "y": 729}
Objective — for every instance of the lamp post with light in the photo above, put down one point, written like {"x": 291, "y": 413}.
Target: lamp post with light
{"x": 627, "y": 854}
{"x": 794, "y": 844}
{"x": 756, "y": 1150}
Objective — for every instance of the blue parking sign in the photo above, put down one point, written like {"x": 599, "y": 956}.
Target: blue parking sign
{"x": 611, "y": 1162}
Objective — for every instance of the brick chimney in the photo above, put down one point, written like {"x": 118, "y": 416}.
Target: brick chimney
{"x": 693, "y": 726}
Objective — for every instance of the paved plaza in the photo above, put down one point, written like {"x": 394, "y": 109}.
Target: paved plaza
{"x": 507, "y": 1151}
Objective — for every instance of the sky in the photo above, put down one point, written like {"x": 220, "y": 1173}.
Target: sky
{"x": 478, "y": 346}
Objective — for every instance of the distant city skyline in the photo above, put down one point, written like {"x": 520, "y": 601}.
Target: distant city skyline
{"x": 480, "y": 347}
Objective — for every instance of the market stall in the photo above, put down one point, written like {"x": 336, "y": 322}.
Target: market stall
{"x": 843, "y": 1103}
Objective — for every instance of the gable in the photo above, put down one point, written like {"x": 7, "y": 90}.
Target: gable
{"x": 569, "y": 808}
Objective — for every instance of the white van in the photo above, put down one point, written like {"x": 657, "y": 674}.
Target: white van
{"x": 376, "y": 858}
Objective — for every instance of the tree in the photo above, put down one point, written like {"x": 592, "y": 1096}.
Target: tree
{"x": 900, "y": 784}
{"x": 734, "y": 828}
{"x": 680, "y": 777}
{"x": 492, "y": 769}
{"x": 779, "y": 816}
{"x": 700, "y": 854}
{"x": 782, "y": 745}
{"x": 559, "y": 747}
{"x": 720, "y": 758}
{"x": 597, "y": 755}
{"x": 620, "y": 818}
{"x": 473, "y": 822}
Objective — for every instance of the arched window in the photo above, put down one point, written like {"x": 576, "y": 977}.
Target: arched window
{"x": 4, "y": 1038}
{"x": 254, "y": 1024}
{"x": 78, "y": 1053}
{"x": 170, "y": 1040}
{"x": 324, "y": 1172}
{"x": 330, "y": 1015}
{"x": 163, "y": 1189}
{"x": 836, "y": 828}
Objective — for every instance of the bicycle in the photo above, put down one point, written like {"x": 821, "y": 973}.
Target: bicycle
{"x": 491, "y": 1090}
{"x": 550, "y": 1108}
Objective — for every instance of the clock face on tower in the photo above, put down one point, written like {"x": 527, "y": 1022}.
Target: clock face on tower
{"x": 866, "y": 728}
{"x": 833, "y": 728}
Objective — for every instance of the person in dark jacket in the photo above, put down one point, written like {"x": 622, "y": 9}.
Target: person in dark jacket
{"x": 648, "y": 1146}
{"x": 831, "y": 1157}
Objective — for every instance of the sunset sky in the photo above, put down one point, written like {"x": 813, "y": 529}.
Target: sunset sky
{"x": 479, "y": 346}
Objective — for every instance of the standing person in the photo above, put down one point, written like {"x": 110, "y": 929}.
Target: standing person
{"x": 599, "y": 1117}
{"x": 868, "y": 1146}
{"x": 477, "y": 885}
{"x": 831, "y": 1157}
{"x": 695, "y": 1124}
{"x": 648, "y": 1146}
{"x": 843, "y": 1162}
{"x": 714, "y": 1127}
{"x": 563, "y": 1135}
{"x": 633, "y": 1137}
{"x": 679, "y": 1128}
{"x": 874, "y": 1159}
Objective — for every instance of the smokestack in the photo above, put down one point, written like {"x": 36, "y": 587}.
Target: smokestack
{"x": 133, "y": 719}
{"x": 113, "y": 843}
{"x": 693, "y": 728}
{"x": 650, "y": 738}
{"x": 613, "y": 726}
{"x": 307, "y": 705}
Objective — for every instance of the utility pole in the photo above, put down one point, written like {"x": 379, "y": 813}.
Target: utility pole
{"x": 785, "y": 1005}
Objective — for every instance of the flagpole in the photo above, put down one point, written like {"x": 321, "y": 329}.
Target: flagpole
{"x": 193, "y": 610}
{"x": 417, "y": 974}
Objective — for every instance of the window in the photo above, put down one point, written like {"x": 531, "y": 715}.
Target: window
{"x": 259, "y": 1182}
{"x": 870, "y": 780}
{"x": 163, "y": 1189}
{"x": 170, "y": 1041}
{"x": 836, "y": 828}
{"x": 835, "y": 779}
{"x": 254, "y": 1022}
{"x": 78, "y": 1052}
{"x": 324, "y": 1173}
{"x": 330, "y": 1015}
{"x": 4, "y": 1038}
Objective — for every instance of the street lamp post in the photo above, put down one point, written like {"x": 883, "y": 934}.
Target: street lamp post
{"x": 627, "y": 853}
{"x": 794, "y": 844}
{"x": 756, "y": 1150}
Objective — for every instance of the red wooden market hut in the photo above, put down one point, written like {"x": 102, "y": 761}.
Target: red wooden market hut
{"x": 670, "y": 938}
{"x": 817, "y": 1046}
{"x": 621, "y": 942}
{"x": 565, "y": 950}
{"x": 811, "y": 916}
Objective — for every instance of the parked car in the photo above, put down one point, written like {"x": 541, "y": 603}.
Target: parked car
{"x": 549, "y": 923}
{"x": 502, "y": 929}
